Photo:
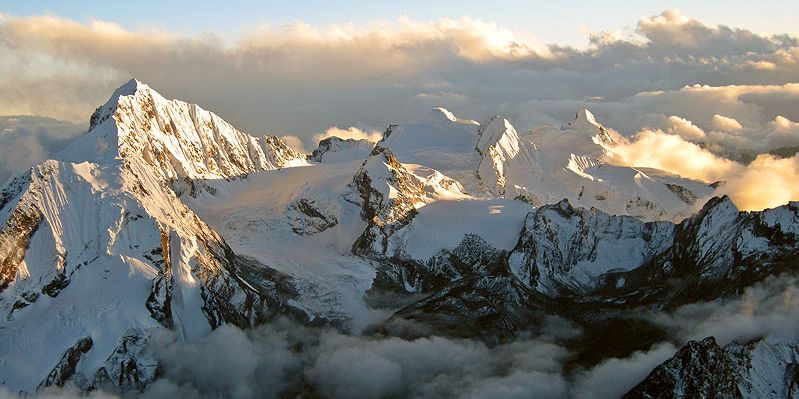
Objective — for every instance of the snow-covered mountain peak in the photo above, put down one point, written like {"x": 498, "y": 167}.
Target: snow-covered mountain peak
{"x": 175, "y": 139}
{"x": 585, "y": 123}
{"x": 336, "y": 149}
{"x": 718, "y": 206}
{"x": 497, "y": 131}
{"x": 584, "y": 116}
{"x": 105, "y": 111}
{"x": 503, "y": 155}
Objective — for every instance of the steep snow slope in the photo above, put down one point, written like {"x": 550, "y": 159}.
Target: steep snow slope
{"x": 543, "y": 166}
{"x": 297, "y": 221}
{"x": 444, "y": 223}
{"x": 97, "y": 250}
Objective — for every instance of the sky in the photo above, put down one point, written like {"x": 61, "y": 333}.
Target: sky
{"x": 707, "y": 90}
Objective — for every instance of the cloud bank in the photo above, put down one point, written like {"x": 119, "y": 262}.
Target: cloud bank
{"x": 283, "y": 359}
{"x": 728, "y": 90}
{"x": 300, "y": 79}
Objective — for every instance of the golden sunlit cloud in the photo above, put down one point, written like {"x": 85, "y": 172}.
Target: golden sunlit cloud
{"x": 766, "y": 182}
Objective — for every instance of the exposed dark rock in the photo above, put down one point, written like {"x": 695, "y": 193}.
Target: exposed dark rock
{"x": 65, "y": 370}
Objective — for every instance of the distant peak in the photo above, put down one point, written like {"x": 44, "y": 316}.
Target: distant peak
{"x": 445, "y": 115}
{"x": 585, "y": 123}
{"x": 497, "y": 129}
{"x": 439, "y": 113}
{"x": 585, "y": 115}
{"x": 583, "y": 118}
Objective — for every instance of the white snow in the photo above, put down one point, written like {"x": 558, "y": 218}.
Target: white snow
{"x": 443, "y": 224}
{"x": 545, "y": 165}
{"x": 252, "y": 216}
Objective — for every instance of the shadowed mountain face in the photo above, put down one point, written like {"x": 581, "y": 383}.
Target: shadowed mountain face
{"x": 165, "y": 218}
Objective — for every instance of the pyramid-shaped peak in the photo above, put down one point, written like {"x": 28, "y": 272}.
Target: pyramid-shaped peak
{"x": 585, "y": 123}
{"x": 496, "y": 123}
{"x": 129, "y": 88}
{"x": 583, "y": 118}
{"x": 497, "y": 130}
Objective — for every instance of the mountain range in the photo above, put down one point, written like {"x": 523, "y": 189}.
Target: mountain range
{"x": 165, "y": 217}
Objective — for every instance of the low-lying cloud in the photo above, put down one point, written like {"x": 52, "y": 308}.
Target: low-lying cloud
{"x": 284, "y": 359}
{"x": 767, "y": 309}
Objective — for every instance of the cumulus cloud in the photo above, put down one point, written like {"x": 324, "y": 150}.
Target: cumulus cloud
{"x": 767, "y": 182}
{"x": 685, "y": 128}
{"x": 724, "y": 123}
{"x": 669, "y": 152}
{"x": 295, "y": 143}
{"x": 284, "y": 359}
{"x": 229, "y": 362}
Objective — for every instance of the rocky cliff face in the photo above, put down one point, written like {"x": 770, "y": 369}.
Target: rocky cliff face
{"x": 388, "y": 195}
{"x": 564, "y": 249}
